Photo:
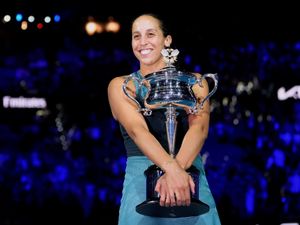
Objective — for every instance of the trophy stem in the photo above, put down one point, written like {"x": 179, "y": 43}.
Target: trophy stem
{"x": 171, "y": 125}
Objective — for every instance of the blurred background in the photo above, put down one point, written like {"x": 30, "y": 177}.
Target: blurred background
{"x": 62, "y": 157}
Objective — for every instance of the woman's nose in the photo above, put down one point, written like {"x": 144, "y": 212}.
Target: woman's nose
{"x": 144, "y": 41}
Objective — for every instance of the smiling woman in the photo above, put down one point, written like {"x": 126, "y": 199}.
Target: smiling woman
{"x": 146, "y": 141}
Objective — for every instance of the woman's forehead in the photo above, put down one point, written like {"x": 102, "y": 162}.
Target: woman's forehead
{"x": 145, "y": 22}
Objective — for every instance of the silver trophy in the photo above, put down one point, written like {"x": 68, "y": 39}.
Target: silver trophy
{"x": 171, "y": 90}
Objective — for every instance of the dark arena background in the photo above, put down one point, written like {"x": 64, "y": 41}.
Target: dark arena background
{"x": 62, "y": 158}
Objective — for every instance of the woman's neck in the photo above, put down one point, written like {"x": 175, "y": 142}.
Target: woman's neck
{"x": 147, "y": 69}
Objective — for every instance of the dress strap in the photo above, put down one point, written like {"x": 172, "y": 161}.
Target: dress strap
{"x": 141, "y": 91}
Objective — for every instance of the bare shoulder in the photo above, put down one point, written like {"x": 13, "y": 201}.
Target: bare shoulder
{"x": 117, "y": 81}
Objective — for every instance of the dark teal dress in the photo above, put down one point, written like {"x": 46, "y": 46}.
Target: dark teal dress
{"x": 134, "y": 186}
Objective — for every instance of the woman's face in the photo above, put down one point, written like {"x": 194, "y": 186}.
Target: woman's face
{"x": 148, "y": 40}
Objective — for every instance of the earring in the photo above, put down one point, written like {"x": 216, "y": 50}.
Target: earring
{"x": 169, "y": 55}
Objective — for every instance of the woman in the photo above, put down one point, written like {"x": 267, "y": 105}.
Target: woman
{"x": 145, "y": 138}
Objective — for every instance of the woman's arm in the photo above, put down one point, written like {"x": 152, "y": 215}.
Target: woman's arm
{"x": 196, "y": 135}
{"x": 124, "y": 110}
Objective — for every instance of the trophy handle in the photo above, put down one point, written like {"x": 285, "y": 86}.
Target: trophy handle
{"x": 214, "y": 77}
{"x": 146, "y": 111}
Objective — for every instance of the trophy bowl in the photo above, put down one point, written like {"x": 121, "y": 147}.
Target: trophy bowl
{"x": 170, "y": 86}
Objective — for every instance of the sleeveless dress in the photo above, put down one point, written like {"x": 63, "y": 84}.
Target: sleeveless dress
{"x": 134, "y": 186}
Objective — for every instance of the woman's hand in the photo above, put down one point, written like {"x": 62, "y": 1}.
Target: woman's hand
{"x": 174, "y": 186}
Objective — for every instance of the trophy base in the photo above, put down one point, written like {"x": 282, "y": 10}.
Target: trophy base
{"x": 152, "y": 208}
